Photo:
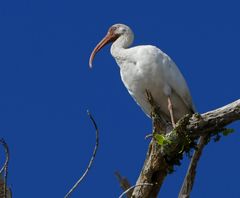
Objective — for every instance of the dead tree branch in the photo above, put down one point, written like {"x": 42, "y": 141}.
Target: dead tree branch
{"x": 91, "y": 160}
{"x": 191, "y": 173}
{"x": 125, "y": 185}
{"x": 4, "y": 190}
{"x": 159, "y": 159}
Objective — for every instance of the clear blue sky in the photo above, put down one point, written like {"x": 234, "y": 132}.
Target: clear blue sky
{"x": 46, "y": 88}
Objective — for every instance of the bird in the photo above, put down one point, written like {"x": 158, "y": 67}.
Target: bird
{"x": 146, "y": 67}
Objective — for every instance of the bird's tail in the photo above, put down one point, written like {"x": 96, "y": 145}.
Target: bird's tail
{"x": 191, "y": 172}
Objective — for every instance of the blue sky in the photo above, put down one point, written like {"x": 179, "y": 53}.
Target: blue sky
{"x": 46, "y": 87}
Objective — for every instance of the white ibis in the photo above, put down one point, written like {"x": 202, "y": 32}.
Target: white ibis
{"x": 146, "y": 67}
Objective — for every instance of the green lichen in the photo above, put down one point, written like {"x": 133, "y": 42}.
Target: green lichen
{"x": 161, "y": 139}
{"x": 176, "y": 143}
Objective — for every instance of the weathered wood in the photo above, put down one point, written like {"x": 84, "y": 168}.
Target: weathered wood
{"x": 4, "y": 194}
{"x": 191, "y": 172}
{"x": 124, "y": 183}
{"x": 155, "y": 168}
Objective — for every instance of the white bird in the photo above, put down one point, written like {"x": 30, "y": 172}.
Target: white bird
{"x": 146, "y": 67}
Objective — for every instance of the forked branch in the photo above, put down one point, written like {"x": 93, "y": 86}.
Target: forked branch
{"x": 156, "y": 166}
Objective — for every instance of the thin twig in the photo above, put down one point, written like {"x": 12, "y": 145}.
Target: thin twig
{"x": 148, "y": 136}
{"x": 5, "y": 167}
{"x": 92, "y": 158}
{"x": 132, "y": 187}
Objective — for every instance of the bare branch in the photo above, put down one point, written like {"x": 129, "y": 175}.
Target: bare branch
{"x": 4, "y": 169}
{"x": 191, "y": 173}
{"x": 92, "y": 158}
{"x": 214, "y": 120}
{"x": 2, "y": 142}
{"x": 132, "y": 187}
{"x": 125, "y": 185}
{"x": 156, "y": 166}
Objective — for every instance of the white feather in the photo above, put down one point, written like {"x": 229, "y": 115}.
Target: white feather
{"x": 148, "y": 68}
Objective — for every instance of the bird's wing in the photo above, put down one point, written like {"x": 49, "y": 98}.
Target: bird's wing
{"x": 168, "y": 69}
{"x": 178, "y": 84}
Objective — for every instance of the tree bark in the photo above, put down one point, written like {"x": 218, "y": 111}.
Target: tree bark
{"x": 191, "y": 172}
{"x": 156, "y": 165}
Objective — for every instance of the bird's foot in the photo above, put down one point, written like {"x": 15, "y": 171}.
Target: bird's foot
{"x": 173, "y": 125}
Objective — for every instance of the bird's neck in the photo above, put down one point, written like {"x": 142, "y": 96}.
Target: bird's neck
{"x": 118, "y": 48}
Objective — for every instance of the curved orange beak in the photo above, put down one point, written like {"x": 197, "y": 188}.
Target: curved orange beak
{"x": 110, "y": 37}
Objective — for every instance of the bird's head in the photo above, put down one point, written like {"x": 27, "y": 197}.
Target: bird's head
{"x": 113, "y": 34}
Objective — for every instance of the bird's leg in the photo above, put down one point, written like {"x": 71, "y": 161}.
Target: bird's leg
{"x": 170, "y": 109}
